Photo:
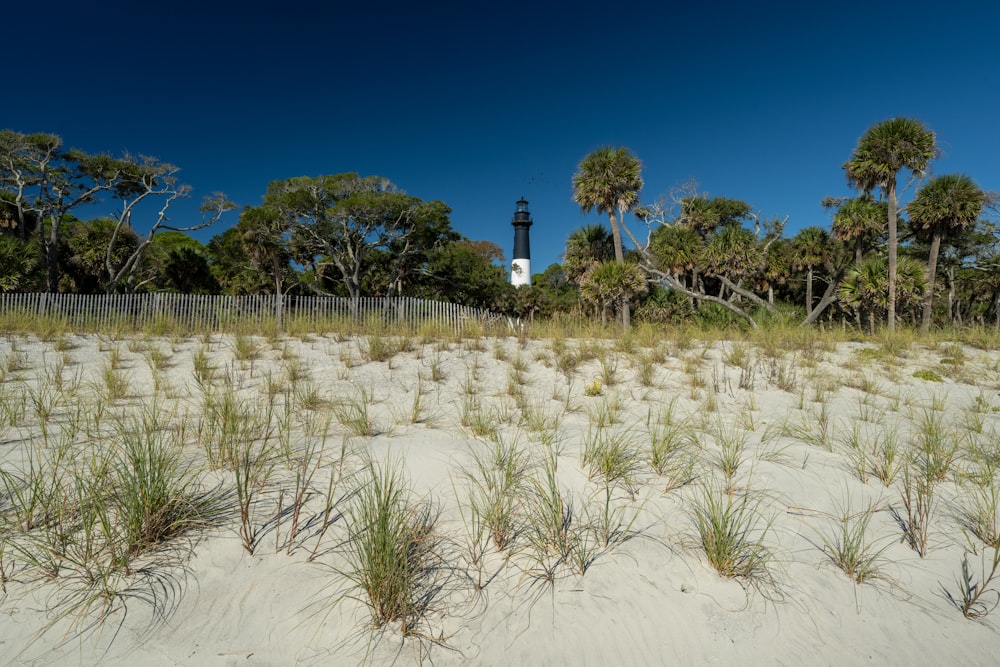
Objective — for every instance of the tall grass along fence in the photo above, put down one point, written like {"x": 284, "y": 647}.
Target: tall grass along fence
{"x": 197, "y": 312}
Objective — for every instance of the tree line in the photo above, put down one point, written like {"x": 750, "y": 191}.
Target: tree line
{"x": 715, "y": 257}
{"x": 343, "y": 234}
{"x": 906, "y": 248}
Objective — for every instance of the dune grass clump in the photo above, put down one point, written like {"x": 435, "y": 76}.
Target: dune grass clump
{"x": 251, "y": 462}
{"x": 732, "y": 442}
{"x": 567, "y": 361}
{"x": 13, "y": 405}
{"x": 936, "y": 446}
{"x": 646, "y": 369}
{"x": 552, "y": 532}
{"x": 418, "y": 408}
{"x": 115, "y": 382}
{"x": 483, "y": 421}
{"x": 498, "y": 484}
{"x": 381, "y": 348}
{"x": 83, "y": 519}
{"x": 917, "y": 499}
{"x": 612, "y": 458}
{"x": 227, "y": 424}
{"x": 204, "y": 371}
{"x": 731, "y": 532}
{"x": 31, "y": 497}
{"x": 354, "y": 413}
{"x": 670, "y": 442}
{"x": 390, "y": 548}
{"x": 884, "y": 456}
{"x": 245, "y": 349}
{"x": 606, "y": 412}
{"x": 978, "y": 513}
{"x": 850, "y": 546}
{"x": 976, "y": 599}
{"x": 153, "y": 487}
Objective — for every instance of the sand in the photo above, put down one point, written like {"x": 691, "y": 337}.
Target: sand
{"x": 649, "y": 597}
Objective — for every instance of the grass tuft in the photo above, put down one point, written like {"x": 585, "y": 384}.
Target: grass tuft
{"x": 390, "y": 548}
{"x": 850, "y": 546}
{"x": 731, "y": 532}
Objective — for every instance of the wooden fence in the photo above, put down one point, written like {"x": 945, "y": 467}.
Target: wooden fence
{"x": 195, "y": 312}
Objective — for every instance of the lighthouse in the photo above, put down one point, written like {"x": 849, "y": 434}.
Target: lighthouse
{"x": 520, "y": 267}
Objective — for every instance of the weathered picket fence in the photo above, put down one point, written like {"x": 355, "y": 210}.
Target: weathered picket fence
{"x": 198, "y": 312}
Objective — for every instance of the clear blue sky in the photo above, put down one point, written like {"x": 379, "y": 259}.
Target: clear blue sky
{"x": 480, "y": 104}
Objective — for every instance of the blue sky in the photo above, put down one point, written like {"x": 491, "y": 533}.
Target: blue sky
{"x": 480, "y": 105}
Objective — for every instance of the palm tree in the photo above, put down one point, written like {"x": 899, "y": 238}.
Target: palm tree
{"x": 609, "y": 180}
{"x": 861, "y": 220}
{"x": 810, "y": 248}
{"x": 613, "y": 283}
{"x": 19, "y": 263}
{"x": 866, "y": 285}
{"x": 585, "y": 246}
{"x": 733, "y": 252}
{"x": 882, "y": 152}
{"x": 676, "y": 249}
{"x": 262, "y": 230}
{"x": 945, "y": 207}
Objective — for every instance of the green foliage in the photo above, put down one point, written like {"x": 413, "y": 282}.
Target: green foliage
{"x": 946, "y": 205}
{"x": 85, "y": 265}
{"x": 20, "y": 262}
{"x": 231, "y": 266}
{"x": 178, "y": 263}
{"x": 676, "y": 248}
{"x": 866, "y": 286}
{"x": 586, "y": 246}
{"x": 612, "y": 284}
{"x": 928, "y": 375}
{"x": 860, "y": 220}
{"x": 609, "y": 180}
{"x": 887, "y": 148}
{"x": 465, "y": 272}
{"x": 347, "y": 231}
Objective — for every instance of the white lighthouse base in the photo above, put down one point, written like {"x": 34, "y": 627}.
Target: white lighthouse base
{"x": 520, "y": 272}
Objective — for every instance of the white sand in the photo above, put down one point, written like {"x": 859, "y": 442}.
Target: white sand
{"x": 653, "y": 599}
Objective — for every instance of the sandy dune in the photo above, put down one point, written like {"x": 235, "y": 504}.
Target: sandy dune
{"x": 791, "y": 428}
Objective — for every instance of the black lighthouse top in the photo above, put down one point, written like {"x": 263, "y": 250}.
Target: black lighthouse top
{"x": 521, "y": 222}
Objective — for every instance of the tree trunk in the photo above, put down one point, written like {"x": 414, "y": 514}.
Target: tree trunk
{"x": 891, "y": 314}
{"x": 925, "y": 324}
{"x": 829, "y": 296}
{"x": 276, "y": 267}
{"x": 672, "y": 284}
{"x": 51, "y": 249}
{"x": 951, "y": 295}
{"x": 616, "y": 237}
{"x": 809, "y": 289}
